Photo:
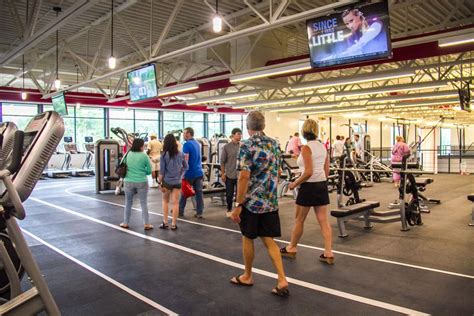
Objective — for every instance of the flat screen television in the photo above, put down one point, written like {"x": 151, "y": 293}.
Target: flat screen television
{"x": 465, "y": 98}
{"x": 142, "y": 83}
{"x": 360, "y": 33}
{"x": 59, "y": 104}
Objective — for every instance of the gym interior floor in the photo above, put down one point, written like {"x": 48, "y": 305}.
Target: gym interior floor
{"x": 94, "y": 267}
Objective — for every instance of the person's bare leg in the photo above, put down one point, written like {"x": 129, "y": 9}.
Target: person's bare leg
{"x": 322, "y": 217}
{"x": 274, "y": 253}
{"x": 300, "y": 217}
{"x": 174, "y": 199}
{"x": 165, "y": 204}
{"x": 248, "y": 252}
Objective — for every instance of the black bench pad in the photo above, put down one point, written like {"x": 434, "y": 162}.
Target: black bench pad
{"x": 213, "y": 190}
{"x": 423, "y": 181}
{"x": 355, "y": 208}
{"x": 470, "y": 197}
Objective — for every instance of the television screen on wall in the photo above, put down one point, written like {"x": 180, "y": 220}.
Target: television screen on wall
{"x": 59, "y": 104}
{"x": 142, "y": 83}
{"x": 360, "y": 33}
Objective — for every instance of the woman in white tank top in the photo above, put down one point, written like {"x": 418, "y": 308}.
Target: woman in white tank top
{"x": 312, "y": 193}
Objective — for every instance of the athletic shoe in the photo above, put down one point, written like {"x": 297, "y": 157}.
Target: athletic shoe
{"x": 227, "y": 214}
{"x": 154, "y": 185}
{"x": 198, "y": 216}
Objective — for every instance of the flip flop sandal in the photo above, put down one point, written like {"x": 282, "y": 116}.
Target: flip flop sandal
{"x": 238, "y": 282}
{"x": 287, "y": 254}
{"x": 123, "y": 225}
{"x": 283, "y": 292}
{"x": 174, "y": 227}
{"x": 148, "y": 226}
{"x": 163, "y": 226}
{"x": 328, "y": 260}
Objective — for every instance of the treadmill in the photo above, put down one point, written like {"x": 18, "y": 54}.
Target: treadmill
{"x": 76, "y": 160}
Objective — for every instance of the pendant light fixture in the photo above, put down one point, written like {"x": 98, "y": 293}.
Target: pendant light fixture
{"x": 112, "y": 60}
{"x": 24, "y": 95}
{"x": 57, "y": 82}
{"x": 78, "y": 104}
{"x": 217, "y": 20}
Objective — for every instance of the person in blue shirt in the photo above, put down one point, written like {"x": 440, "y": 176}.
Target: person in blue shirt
{"x": 194, "y": 174}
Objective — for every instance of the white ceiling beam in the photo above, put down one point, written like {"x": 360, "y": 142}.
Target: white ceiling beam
{"x": 264, "y": 19}
{"x": 223, "y": 39}
{"x": 167, "y": 28}
{"x": 76, "y": 9}
{"x": 279, "y": 10}
{"x": 83, "y": 31}
{"x": 33, "y": 18}
{"x": 16, "y": 17}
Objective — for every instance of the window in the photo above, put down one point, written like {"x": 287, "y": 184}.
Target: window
{"x": 121, "y": 118}
{"x": 445, "y": 141}
{"x": 172, "y": 121}
{"x": 146, "y": 121}
{"x": 214, "y": 124}
{"x": 20, "y": 114}
{"x": 89, "y": 122}
{"x": 232, "y": 121}
{"x": 196, "y": 121}
{"x": 69, "y": 125}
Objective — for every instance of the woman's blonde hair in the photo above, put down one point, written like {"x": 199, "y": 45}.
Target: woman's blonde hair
{"x": 310, "y": 129}
{"x": 400, "y": 138}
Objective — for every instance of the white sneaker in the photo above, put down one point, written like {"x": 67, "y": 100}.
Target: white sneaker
{"x": 227, "y": 214}
{"x": 154, "y": 185}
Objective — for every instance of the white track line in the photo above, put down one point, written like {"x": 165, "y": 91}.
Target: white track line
{"x": 345, "y": 295}
{"x": 287, "y": 242}
{"x": 103, "y": 276}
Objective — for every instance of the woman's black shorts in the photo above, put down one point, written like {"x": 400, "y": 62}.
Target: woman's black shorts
{"x": 313, "y": 194}
{"x": 253, "y": 225}
{"x": 171, "y": 186}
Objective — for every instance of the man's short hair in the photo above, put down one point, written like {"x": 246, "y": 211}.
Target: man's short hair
{"x": 356, "y": 135}
{"x": 337, "y": 137}
{"x": 297, "y": 134}
{"x": 189, "y": 130}
{"x": 255, "y": 121}
{"x": 236, "y": 130}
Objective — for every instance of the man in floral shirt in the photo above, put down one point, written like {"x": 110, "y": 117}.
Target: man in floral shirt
{"x": 256, "y": 207}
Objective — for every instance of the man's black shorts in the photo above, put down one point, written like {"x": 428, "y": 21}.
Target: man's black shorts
{"x": 253, "y": 225}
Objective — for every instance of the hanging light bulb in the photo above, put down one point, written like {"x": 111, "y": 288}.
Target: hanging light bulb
{"x": 112, "y": 62}
{"x": 24, "y": 95}
{"x": 217, "y": 23}
{"x": 57, "y": 84}
{"x": 217, "y": 20}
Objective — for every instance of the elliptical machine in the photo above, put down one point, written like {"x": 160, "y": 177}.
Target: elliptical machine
{"x": 30, "y": 153}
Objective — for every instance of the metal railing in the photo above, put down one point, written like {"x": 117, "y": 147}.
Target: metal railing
{"x": 444, "y": 159}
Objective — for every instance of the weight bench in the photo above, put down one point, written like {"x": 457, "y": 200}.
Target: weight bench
{"x": 470, "y": 197}
{"x": 421, "y": 184}
{"x": 354, "y": 211}
{"x": 218, "y": 192}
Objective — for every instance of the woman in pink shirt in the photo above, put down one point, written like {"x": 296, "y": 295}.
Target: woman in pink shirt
{"x": 399, "y": 150}
{"x": 294, "y": 145}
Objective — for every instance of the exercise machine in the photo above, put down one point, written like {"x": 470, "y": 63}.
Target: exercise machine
{"x": 290, "y": 171}
{"x": 107, "y": 158}
{"x": 31, "y": 151}
{"x": 470, "y": 197}
{"x": 76, "y": 160}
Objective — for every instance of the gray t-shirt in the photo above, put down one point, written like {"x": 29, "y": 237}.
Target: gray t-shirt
{"x": 229, "y": 159}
